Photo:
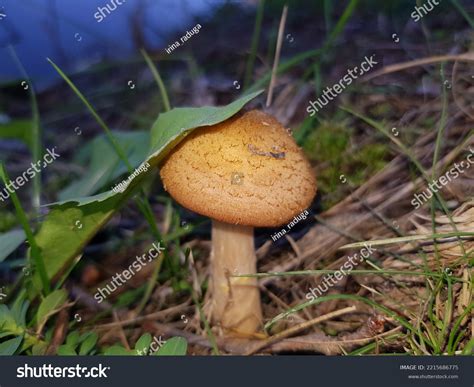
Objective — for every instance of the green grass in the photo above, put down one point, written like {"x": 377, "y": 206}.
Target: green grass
{"x": 254, "y": 45}
{"x": 311, "y": 54}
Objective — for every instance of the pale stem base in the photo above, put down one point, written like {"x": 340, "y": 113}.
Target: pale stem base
{"x": 236, "y": 304}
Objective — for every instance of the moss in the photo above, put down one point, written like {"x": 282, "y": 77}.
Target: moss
{"x": 367, "y": 161}
{"x": 329, "y": 146}
{"x": 327, "y": 142}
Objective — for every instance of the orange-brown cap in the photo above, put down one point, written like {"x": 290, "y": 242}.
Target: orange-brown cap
{"x": 247, "y": 170}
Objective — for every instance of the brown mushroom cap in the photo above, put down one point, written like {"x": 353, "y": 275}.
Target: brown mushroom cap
{"x": 247, "y": 170}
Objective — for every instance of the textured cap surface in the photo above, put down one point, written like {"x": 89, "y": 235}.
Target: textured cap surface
{"x": 246, "y": 170}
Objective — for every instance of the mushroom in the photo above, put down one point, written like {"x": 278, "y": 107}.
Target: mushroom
{"x": 242, "y": 173}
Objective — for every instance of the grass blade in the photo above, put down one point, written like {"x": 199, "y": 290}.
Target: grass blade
{"x": 415, "y": 162}
{"x": 159, "y": 81}
{"x": 405, "y": 239}
{"x": 99, "y": 120}
{"x": 318, "y": 300}
{"x": 254, "y": 45}
{"x": 35, "y": 250}
{"x": 463, "y": 12}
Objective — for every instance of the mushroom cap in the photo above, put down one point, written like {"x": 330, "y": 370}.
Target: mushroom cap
{"x": 247, "y": 170}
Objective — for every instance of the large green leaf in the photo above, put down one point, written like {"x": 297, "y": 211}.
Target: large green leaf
{"x": 71, "y": 225}
{"x": 176, "y": 123}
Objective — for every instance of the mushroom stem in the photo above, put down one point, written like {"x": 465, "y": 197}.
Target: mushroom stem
{"x": 236, "y": 300}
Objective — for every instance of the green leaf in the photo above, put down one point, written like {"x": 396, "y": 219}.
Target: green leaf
{"x": 168, "y": 130}
{"x": 72, "y": 339}
{"x": 39, "y": 349}
{"x": 143, "y": 343}
{"x": 66, "y": 350}
{"x": 117, "y": 350}
{"x": 50, "y": 305}
{"x": 61, "y": 239}
{"x": 175, "y": 124}
{"x": 176, "y": 346}
{"x": 9, "y": 347}
{"x": 66, "y": 231}
{"x": 19, "y": 309}
{"x": 7, "y": 320}
{"x": 10, "y": 241}
{"x": 104, "y": 165}
{"x": 89, "y": 343}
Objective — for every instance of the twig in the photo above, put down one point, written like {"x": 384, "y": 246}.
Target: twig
{"x": 300, "y": 344}
{"x": 152, "y": 316}
{"x": 59, "y": 333}
{"x": 298, "y": 328}
{"x": 281, "y": 30}
{"x": 466, "y": 57}
{"x": 123, "y": 337}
